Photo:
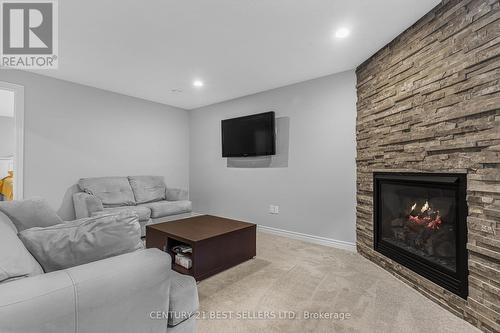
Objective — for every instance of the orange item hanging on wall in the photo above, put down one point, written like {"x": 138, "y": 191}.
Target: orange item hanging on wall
{"x": 7, "y": 186}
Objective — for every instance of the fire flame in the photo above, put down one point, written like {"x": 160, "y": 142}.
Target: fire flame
{"x": 425, "y": 207}
{"x": 427, "y": 217}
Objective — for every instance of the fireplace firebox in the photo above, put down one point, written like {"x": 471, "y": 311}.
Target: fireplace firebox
{"x": 420, "y": 222}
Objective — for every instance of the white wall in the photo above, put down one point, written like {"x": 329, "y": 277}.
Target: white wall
{"x": 74, "y": 131}
{"x": 7, "y": 136}
{"x": 316, "y": 192}
{"x": 6, "y": 103}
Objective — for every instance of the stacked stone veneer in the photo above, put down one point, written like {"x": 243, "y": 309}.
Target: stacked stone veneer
{"x": 430, "y": 101}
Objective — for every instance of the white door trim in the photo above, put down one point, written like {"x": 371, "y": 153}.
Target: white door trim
{"x": 19, "y": 123}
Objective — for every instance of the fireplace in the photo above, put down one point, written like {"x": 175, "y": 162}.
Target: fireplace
{"x": 420, "y": 222}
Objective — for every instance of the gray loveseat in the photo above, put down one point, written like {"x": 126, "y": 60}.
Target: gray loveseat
{"x": 147, "y": 196}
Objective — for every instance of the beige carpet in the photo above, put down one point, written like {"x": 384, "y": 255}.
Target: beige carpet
{"x": 290, "y": 275}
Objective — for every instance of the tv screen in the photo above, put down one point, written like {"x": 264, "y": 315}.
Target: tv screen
{"x": 252, "y": 135}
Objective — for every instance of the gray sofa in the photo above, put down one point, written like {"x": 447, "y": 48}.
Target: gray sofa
{"x": 147, "y": 196}
{"x": 133, "y": 292}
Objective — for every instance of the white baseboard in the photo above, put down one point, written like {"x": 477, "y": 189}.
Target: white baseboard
{"x": 309, "y": 238}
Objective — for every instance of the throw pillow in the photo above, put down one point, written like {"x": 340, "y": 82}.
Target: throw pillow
{"x": 15, "y": 260}
{"x": 82, "y": 241}
{"x": 34, "y": 212}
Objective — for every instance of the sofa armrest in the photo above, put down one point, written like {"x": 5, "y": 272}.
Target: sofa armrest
{"x": 176, "y": 194}
{"x": 119, "y": 294}
{"x": 43, "y": 303}
{"x": 86, "y": 204}
{"x": 116, "y": 294}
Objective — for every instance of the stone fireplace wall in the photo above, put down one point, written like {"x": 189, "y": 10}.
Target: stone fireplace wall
{"x": 429, "y": 101}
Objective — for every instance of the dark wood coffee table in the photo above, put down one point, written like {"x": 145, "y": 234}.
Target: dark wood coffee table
{"x": 218, "y": 243}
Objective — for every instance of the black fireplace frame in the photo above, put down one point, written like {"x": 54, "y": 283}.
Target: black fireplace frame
{"x": 456, "y": 282}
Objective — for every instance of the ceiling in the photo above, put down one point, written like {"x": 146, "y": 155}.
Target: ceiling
{"x": 6, "y": 103}
{"x": 155, "y": 49}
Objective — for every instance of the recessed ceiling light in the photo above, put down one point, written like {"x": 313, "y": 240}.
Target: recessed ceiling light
{"x": 198, "y": 83}
{"x": 342, "y": 33}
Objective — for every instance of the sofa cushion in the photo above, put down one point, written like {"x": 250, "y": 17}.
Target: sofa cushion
{"x": 82, "y": 241}
{"x": 144, "y": 213}
{"x": 15, "y": 260}
{"x": 147, "y": 188}
{"x": 166, "y": 208}
{"x": 113, "y": 191}
{"x": 183, "y": 299}
{"x": 29, "y": 213}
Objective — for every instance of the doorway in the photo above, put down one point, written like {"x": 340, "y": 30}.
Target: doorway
{"x": 11, "y": 141}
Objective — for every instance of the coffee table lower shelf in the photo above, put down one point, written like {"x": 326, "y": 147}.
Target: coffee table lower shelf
{"x": 182, "y": 270}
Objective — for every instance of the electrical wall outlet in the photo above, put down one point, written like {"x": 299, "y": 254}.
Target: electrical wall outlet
{"x": 273, "y": 209}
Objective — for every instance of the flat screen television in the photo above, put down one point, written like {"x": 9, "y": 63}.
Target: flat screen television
{"x": 252, "y": 135}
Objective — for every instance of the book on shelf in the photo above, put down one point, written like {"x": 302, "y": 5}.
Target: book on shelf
{"x": 182, "y": 249}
